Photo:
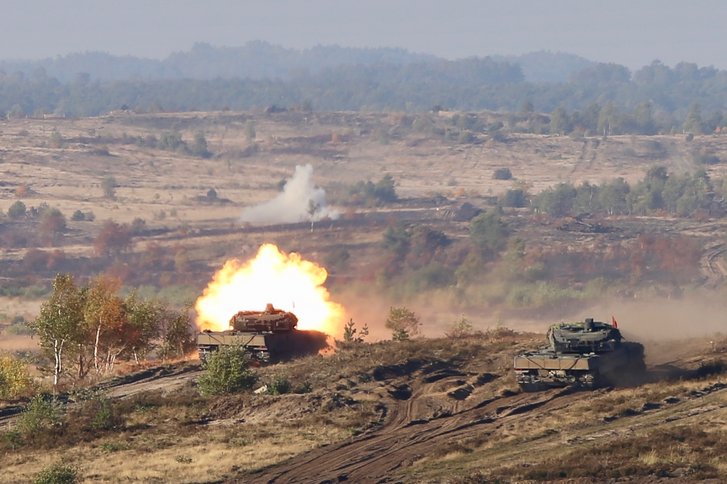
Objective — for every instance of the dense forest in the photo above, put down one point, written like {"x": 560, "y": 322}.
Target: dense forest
{"x": 587, "y": 98}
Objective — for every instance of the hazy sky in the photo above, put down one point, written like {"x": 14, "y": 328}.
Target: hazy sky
{"x": 629, "y": 32}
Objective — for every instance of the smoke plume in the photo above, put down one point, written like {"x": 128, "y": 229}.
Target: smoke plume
{"x": 299, "y": 201}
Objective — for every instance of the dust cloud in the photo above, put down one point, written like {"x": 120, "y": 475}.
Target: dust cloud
{"x": 299, "y": 201}
{"x": 666, "y": 319}
{"x": 645, "y": 320}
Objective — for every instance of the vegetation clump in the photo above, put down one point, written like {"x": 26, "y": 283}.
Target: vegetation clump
{"x": 502, "y": 174}
{"x": 403, "y": 323}
{"x": 14, "y": 377}
{"x": 58, "y": 473}
{"x": 90, "y": 327}
{"x": 226, "y": 371}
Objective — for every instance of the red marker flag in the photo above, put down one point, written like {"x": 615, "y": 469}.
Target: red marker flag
{"x": 614, "y": 323}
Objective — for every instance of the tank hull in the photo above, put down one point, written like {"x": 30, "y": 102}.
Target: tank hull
{"x": 264, "y": 346}
{"x": 547, "y": 368}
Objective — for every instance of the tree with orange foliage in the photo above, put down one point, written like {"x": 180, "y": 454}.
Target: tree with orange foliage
{"x": 105, "y": 318}
{"x": 113, "y": 239}
{"x": 52, "y": 225}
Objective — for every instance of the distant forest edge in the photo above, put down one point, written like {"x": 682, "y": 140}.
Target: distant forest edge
{"x": 579, "y": 95}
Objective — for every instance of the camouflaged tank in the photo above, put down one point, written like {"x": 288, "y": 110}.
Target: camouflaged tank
{"x": 269, "y": 335}
{"x": 586, "y": 354}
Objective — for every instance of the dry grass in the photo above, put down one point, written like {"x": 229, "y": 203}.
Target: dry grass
{"x": 209, "y": 454}
{"x": 177, "y": 438}
{"x": 682, "y": 452}
{"x": 14, "y": 343}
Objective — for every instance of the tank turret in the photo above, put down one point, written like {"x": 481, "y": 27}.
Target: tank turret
{"x": 588, "y": 336}
{"x": 271, "y": 320}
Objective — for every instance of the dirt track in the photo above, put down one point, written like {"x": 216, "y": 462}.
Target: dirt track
{"x": 412, "y": 431}
{"x": 403, "y": 440}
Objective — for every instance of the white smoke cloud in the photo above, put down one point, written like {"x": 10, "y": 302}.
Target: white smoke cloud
{"x": 299, "y": 201}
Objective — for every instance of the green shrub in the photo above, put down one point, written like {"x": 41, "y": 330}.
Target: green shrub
{"x": 279, "y": 386}
{"x": 41, "y": 414}
{"x": 226, "y": 371}
{"x": 17, "y": 210}
{"x": 58, "y": 473}
{"x": 104, "y": 414}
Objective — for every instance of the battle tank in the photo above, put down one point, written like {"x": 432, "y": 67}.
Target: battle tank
{"x": 269, "y": 335}
{"x": 585, "y": 354}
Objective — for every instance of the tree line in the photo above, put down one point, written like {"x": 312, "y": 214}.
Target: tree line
{"x": 684, "y": 195}
{"x": 599, "y": 99}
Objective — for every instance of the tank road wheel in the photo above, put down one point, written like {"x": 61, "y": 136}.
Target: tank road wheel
{"x": 589, "y": 381}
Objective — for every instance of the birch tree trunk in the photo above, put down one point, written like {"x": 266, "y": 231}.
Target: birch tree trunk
{"x": 95, "y": 347}
{"x": 58, "y": 353}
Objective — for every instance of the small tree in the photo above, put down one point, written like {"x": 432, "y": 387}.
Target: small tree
{"x": 250, "y": 130}
{"x": 177, "y": 339}
{"x": 108, "y": 185}
{"x": 144, "y": 317}
{"x": 105, "y": 320}
{"x": 460, "y": 329}
{"x": 17, "y": 210}
{"x": 226, "y": 371}
{"x": 199, "y": 146}
{"x": 349, "y": 332}
{"x": 112, "y": 239}
{"x": 14, "y": 377}
{"x": 52, "y": 225}
{"x": 488, "y": 234}
{"x": 403, "y": 323}
{"x": 60, "y": 322}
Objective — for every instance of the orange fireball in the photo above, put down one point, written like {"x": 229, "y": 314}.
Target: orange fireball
{"x": 285, "y": 280}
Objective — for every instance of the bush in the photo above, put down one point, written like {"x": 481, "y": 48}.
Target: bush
{"x": 58, "y": 473}
{"x": 17, "y": 210}
{"x": 279, "y": 386}
{"x": 515, "y": 197}
{"x": 41, "y": 414}
{"x": 462, "y": 328}
{"x": 502, "y": 174}
{"x": 104, "y": 415}
{"x": 226, "y": 371}
{"x": 14, "y": 378}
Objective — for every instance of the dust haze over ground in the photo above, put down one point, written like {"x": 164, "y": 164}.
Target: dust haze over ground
{"x": 665, "y": 319}
{"x": 299, "y": 201}
{"x": 656, "y": 319}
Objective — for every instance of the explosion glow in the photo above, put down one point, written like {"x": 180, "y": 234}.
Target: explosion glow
{"x": 285, "y": 280}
